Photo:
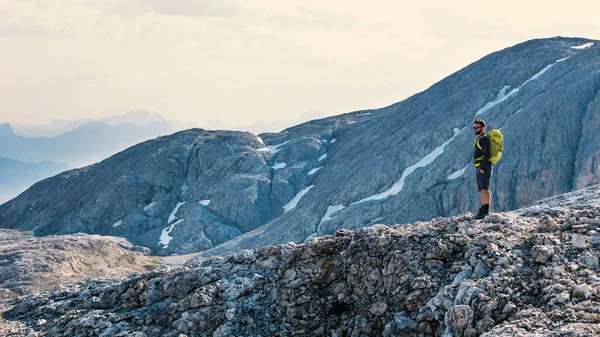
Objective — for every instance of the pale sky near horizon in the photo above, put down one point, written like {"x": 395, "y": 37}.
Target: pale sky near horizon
{"x": 238, "y": 62}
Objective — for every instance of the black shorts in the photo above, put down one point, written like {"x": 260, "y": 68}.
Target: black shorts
{"x": 483, "y": 179}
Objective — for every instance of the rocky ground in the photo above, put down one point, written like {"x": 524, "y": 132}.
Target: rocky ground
{"x": 31, "y": 264}
{"x": 532, "y": 272}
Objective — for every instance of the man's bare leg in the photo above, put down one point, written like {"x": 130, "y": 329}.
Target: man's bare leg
{"x": 486, "y": 197}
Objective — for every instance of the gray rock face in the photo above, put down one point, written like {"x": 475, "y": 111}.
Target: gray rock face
{"x": 373, "y": 281}
{"x": 183, "y": 193}
{"x": 407, "y": 162}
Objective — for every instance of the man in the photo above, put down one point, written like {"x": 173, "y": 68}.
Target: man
{"x": 481, "y": 158}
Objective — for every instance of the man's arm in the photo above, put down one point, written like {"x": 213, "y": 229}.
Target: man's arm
{"x": 485, "y": 144}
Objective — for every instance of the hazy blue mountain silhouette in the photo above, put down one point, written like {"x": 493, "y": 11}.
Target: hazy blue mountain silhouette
{"x": 17, "y": 176}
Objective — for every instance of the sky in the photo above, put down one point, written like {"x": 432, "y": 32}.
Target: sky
{"x": 233, "y": 63}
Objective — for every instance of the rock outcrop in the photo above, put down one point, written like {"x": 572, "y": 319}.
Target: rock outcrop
{"x": 31, "y": 264}
{"x": 531, "y": 272}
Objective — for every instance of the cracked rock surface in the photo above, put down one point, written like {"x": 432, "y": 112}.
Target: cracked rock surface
{"x": 514, "y": 273}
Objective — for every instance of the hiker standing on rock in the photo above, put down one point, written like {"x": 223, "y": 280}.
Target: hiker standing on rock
{"x": 481, "y": 158}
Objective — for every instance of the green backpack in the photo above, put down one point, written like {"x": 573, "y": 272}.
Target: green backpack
{"x": 497, "y": 145}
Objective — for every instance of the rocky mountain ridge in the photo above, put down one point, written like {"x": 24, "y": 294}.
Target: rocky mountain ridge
{"x": 530, "y": 272}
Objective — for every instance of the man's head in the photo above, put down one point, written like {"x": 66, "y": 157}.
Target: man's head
{"x": 479, "y": 127}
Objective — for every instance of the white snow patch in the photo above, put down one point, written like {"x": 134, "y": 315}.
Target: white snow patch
{"x": 458, "y": 173}
{"x": 502, "y": 95}
{"x": 149, "y": 206}
{"x": 536, "y": 75}
{"x": 117, "y": 224}
{"x": 292, "y": 204}
{"x": 583, "y": 46}
{"x": 313, "y": 171}
{"x": 260, "y": 140}
{"x": 165, "y": 238}
{"x": 425, "y": 161}
{"x": 323, "y": 157}
{"x": 204, "y": 202}
{"x": 279, "y": 166}
{"x": 330, "y": 211}
{"x": 518, "y": 111}
{"x": 273, "y": 148}
{"x": 333, "y": 141}
{"x": 172, "y": 215}
{"x": 184, "y": 188}
{"x": 561, "y": 60}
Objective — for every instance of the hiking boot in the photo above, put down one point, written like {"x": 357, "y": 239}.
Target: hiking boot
{"x": 482, "y": 213}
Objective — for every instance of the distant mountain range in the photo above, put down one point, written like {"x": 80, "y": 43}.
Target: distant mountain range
{"x": 144, "y": 117}
{"x": 59, "y": 126}
{"x": 88, "y": 143}
{"x": 36, "y": 152}
{"x": 17, "y": 176}
{"x": 228, "y": 190}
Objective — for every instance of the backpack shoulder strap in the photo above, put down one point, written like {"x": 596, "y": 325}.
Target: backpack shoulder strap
{"x": 477, "y": 142}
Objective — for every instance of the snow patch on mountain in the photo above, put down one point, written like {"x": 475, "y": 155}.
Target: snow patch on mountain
{"x": 273, "y": 148}
{"x": 204, "y": 202}
{"x": 172, "y": 215}
{"x": 165, "y": 236}
{"x": 149, "y": 206}
{"x": 425, "y": 161}
{"x": 583, "y": 46}
{"x": 501, "y": 97}
{"x": 117, "y": 224}
{"x": 458, "y": 173}
{"x": 294, "y": 202}
{"x": 313, "y": 171}
{"x": 278, "y": 166}
{"x": 330, "y": 211}
{"x": 323, "y": 157}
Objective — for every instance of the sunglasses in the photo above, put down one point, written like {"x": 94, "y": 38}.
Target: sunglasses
{"x": 477, "y": 127}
